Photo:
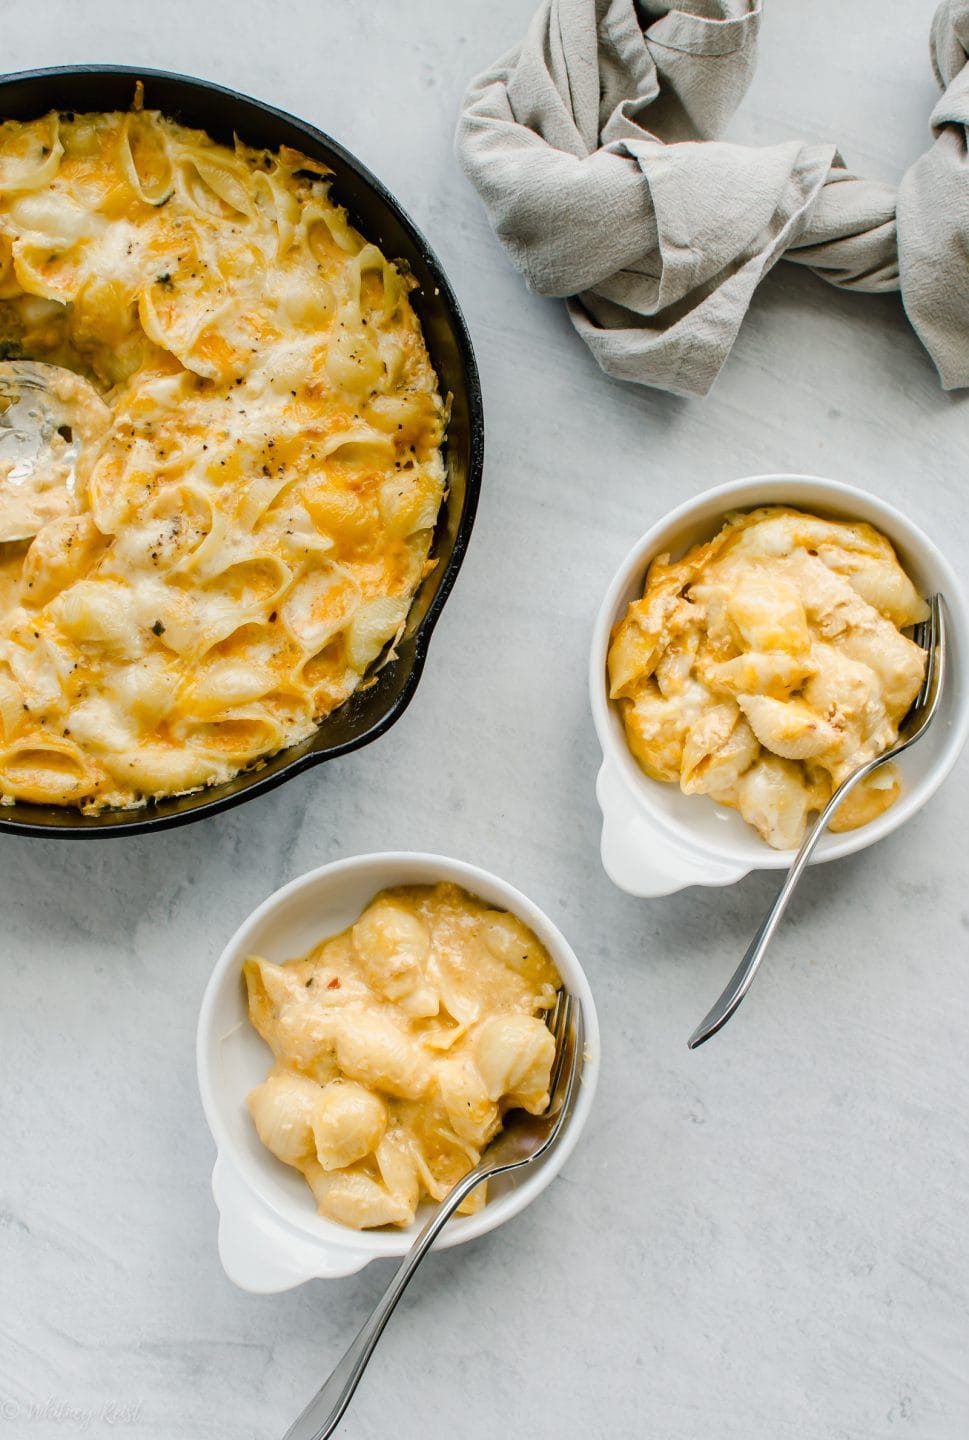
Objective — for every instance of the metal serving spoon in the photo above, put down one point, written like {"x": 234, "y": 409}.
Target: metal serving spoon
{"x": 46, "y": 413}
{"x": 522, "y": 1141}
{"x": 931, "y": 636}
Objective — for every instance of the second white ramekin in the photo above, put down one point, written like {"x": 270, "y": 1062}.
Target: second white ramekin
{"x": 655, "y": 839}
{"x": 270, "y": 1235}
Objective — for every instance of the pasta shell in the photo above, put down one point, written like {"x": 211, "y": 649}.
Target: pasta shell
{"x": 789, "y": 728}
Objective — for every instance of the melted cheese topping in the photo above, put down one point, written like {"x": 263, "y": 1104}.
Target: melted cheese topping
{"x": 399, "y": 1045}
{"x": 767, "y": 664}
{"x": 252, "y": 521}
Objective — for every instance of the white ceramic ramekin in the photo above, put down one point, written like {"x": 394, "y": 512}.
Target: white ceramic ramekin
{"x": 270, "y": 1235}
{"x": 656, "y": 840}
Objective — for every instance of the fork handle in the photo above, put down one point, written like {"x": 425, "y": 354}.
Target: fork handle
{"x": 325, "y": 1411}
{"x": 742, "y": 978}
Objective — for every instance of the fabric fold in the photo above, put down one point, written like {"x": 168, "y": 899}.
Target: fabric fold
{"x": 595, "y": 147}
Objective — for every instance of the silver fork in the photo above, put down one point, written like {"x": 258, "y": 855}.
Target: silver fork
{"x": 931, "y": 636}
{"x": 523, "y": 1140}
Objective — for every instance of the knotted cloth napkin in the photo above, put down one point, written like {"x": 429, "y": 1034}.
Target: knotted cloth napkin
{"x": 594, "y": 147}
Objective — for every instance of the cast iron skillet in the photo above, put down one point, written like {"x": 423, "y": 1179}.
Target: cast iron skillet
{"x": 375, "y": 212}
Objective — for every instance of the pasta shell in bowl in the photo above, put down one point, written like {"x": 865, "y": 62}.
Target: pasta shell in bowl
{"x": 359, "y": 1042}
{"x": 753, "y": 648}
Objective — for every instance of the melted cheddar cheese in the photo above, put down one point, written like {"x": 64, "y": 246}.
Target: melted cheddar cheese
{"x": 767, "y": 664}
{"x": 255, "y": 510}
{"x": 399, "y": 1046}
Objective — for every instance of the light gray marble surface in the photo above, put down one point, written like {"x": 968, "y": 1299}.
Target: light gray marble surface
{"x": 764, "y": 1240}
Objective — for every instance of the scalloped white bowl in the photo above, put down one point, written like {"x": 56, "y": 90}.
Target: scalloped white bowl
{"x": 655, "y": 839}
{"x": 270, "y": 1235}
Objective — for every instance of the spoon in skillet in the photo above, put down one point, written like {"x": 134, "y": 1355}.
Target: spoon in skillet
{"x": 47, "y": 414}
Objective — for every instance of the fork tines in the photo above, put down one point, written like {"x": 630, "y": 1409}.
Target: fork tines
{"x": 926, "y": 635}
{"x": 560, "y": 1024}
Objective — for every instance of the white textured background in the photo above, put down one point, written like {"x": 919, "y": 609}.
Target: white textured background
{"x": 765, "y": 1240}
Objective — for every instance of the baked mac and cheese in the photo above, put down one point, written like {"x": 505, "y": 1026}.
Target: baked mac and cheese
{"x": 767, "y": 664}
{"x": 260, "y": 464}
{"x": 398, "y": 1047}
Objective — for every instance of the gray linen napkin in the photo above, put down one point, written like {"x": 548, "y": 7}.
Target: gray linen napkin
{"x": 593, "y": 145}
